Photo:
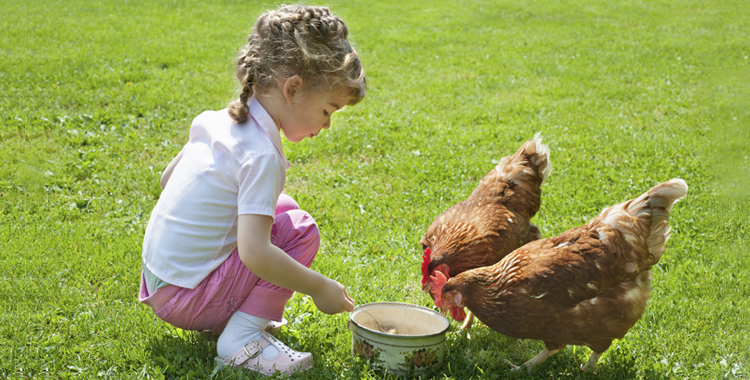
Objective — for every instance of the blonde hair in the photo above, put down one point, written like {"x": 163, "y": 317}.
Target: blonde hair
{"x": 298, "y": 40}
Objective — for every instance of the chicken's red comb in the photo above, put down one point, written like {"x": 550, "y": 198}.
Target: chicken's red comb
{"x": 425, "y": 265}
{"x": 438, "y": 282}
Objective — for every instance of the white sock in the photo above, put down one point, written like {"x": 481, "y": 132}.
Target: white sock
{"x": 241, "y": 329}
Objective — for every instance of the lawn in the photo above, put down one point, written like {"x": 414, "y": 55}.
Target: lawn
{"x": 97, "y": 97}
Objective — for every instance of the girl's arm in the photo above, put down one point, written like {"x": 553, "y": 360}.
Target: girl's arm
{"x": 275, "y": 266}
{"x": 168, "y": 171}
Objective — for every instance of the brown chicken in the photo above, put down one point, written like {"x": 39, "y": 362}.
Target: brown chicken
{"x": 586, "y": 287}
{"x": 492, "y": 221}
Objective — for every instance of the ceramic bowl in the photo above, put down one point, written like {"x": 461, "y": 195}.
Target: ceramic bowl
{"x": 398, "y": 338}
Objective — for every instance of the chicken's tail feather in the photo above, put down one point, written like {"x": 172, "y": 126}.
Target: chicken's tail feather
{"x": 660, "y": 198}
{"x": 532, "y": 152}
{"x": 542, "y": 156}
{"x": 648, "y": 216}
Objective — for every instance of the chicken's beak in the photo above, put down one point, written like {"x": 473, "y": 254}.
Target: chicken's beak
{"x": 444, "y": 311}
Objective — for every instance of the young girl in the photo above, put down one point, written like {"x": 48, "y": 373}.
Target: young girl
{"x": 224, "y": 248}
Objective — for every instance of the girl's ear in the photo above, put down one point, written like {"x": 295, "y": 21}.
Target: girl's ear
{"x": 292, "y": 88}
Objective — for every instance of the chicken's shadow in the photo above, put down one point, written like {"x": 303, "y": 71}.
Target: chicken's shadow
{"x": 489, "y": 352}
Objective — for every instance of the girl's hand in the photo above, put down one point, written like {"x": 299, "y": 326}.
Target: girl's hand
{"x": 332, "y": 298}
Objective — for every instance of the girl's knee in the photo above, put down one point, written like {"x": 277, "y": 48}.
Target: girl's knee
{"x": 297, "y": 234}
{"x": 285, "y": 203}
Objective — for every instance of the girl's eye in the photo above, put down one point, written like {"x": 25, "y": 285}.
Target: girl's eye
{"x": 325, "y": 112}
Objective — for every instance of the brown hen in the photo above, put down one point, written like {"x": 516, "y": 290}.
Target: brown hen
{"x": 492, "y": 221}
{"x": 586, "y": 287}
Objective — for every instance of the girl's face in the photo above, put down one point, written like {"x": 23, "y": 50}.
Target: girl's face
{"x": 310, "y": 112}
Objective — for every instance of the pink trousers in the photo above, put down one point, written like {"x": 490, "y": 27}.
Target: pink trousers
{"x": 232, "y": 287}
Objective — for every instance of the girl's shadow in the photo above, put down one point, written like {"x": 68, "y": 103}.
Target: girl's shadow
{"x": 183, "y": 354}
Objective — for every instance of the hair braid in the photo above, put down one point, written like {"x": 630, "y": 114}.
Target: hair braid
{"x": 298, "y": 40}
{"x": 247, "y": 69}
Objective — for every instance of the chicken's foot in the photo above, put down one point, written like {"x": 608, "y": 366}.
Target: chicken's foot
{"x": 535, "y": 361}
{"x": 466, "y": 326}
{"x": 468, "y": 322}
{"x": 592, "y": 361}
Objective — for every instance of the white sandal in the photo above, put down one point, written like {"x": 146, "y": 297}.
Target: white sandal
{"x": 287, "y": 361}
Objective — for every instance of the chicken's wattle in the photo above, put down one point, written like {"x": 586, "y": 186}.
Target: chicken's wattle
{"x": 457, "y": 313}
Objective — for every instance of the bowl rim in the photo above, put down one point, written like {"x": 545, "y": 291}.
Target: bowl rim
{"x": 442, "y": 317}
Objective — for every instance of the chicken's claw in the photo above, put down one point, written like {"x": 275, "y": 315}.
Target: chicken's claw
{"x": 458, "y": 332}
{"x": 513, "y": 367}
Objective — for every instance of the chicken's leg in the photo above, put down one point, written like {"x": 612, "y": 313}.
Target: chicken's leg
{"x": 468, "y": 322}
{"x": 535, "y": 361}
{"x": 592, "y": 361}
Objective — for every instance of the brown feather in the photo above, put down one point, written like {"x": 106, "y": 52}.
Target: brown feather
{"x": 494, "y": 219}
{"x": 586, "y": 286}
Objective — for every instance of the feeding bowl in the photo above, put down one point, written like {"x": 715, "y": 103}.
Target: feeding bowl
{"x": 398, "y": 338}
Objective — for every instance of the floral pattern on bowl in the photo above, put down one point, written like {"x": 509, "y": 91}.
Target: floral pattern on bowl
{"x": 417, "y": 344}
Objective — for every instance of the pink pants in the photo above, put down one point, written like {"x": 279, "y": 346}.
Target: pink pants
{"x": 232, "y": 287}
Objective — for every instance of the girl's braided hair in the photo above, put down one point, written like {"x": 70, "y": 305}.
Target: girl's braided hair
{"x": 298, "y": 40}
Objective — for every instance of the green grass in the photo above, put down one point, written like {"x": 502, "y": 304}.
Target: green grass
{"x": 97, "y": 98}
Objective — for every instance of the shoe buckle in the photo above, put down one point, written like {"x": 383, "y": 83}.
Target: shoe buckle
{"x": 257, "y": 349}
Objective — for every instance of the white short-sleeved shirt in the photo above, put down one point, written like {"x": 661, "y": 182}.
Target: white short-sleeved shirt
{"x": 226, "y": 170}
